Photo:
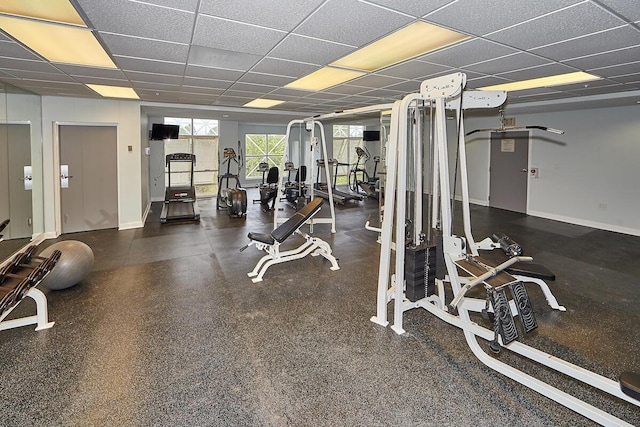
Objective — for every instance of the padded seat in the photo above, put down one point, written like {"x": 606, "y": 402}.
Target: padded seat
{"x": 630, "y": 384}
{"x": 262, "y": 237}
{"x": 537, "y": 271}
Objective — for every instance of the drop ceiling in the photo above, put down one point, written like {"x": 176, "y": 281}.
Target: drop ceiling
{"x": 223, "y": 54}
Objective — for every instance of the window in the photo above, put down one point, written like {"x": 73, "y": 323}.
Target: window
{"x": 345, "y": 140}
{"x": 199, "y": 137}
{"x": 262, "y": 148}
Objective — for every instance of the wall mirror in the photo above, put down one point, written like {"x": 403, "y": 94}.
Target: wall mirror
{"x": 21, "y": 189}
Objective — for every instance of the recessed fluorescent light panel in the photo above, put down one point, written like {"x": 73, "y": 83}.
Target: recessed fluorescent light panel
{"x": 324, "y": 78}
{"x": 114, "y": 91}
{"x": 263, "y": 103}
{"x": 414, "y": 40}
{"x": 49, "y": 10}
{"x": 58, "y": 43}
{"x": 557, "y": 80}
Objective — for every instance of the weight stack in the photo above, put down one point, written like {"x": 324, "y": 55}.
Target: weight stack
{"x": 420, "y": 271}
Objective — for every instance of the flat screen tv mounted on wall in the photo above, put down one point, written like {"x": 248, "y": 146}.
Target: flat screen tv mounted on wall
{"x": 161, "y": 131}
{"x": 371, "y": 135}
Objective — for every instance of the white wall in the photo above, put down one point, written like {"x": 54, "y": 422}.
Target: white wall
{"x": 156, "y": 164}
{"x": 588, "y": 176}
{"x": 126, "y": 115}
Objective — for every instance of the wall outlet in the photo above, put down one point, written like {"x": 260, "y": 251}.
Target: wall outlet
{"x": 534, "y": 172}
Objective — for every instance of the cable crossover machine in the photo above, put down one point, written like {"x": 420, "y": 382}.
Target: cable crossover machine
{"x": 432, "y": 257}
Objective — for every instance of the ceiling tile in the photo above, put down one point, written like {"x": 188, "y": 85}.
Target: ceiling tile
{"x": 102, "y": 81}
{"x": 283, "y": 67}
{"x": 604, "y": 90}
{"x": 188, "y": 5}
{"x": 627, "y": 8}
{"x": 466, "y": 53}
{"x": 410, "y": 86}
{"x": 628, "y": 79}
{"x": 139, "y": 19}
{"x": 621, "y": 56}
{"x": 591, "y": 44}
{"x": 280, "y": 14}
{"x": 144, "y": 48}
{"x": 474, "y": 17}
{"x": 265, "y": 79}
{"x": 235, "y": 36}
{"x": 536, "y": 72}
{"x": 413, "y": 70}
{"x": 12, "y": 49}
{"x": 194, "y": 90}
{"x": 309, "y": 50}
{"x": 158, "y": 96}
{"x": 105, "y": 73}
{"x": 375, "y": 81}
{"x": 45, "y": 77}
{"x": 206, "y": 83}
{"x": 576, "y": 21}
{"x": 153, "y": 78}
{"x": 618, "y": 70}
{"x": 27, "y": 65}
{"x": 254, "y": 88}
{"x": 508, "y": 63}
{"x": 416, "y": 8}
{"x": 348, "y": 89}
{"x": 335, "y": 21}
{"x": 210, "y": 57}
{"x": 156, "y": 86}
{"x": 232, "y": 101}
{"x": 148, "y": 65}
{"x": 485, "y": 81}
{"x": 212, "y": 73}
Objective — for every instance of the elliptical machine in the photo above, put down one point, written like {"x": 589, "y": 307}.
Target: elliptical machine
{"x": 233, "y": 199}
{"x": 358, "y": 176}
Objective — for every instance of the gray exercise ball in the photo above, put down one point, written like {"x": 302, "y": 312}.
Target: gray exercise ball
{"x": 74, "y": 264}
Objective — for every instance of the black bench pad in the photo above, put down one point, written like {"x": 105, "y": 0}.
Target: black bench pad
{"x": 289, "y": 227}
{"x": 536, "y": 271}
{"x": 262, "y": 238}
{"x": 630, "y": 384}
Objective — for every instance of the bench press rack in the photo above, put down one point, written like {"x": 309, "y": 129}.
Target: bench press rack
{"x": 270, "y": 243}
{"x": 18, "y": 280}
{"x": 463, "y": 268}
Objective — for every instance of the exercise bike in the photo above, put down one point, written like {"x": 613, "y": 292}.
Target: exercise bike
{"x": 358, "y": 176}
{"x": 295, "y": 192}
{"x": 269, "y": 186}
{"x": 233, "y": 199}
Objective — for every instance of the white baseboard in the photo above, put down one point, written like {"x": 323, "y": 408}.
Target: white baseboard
{"x": 130, "y": 225}
{"x": 586, "y": 223}
{"x": 479, "y": 202}
{"x": 146, "y": 213}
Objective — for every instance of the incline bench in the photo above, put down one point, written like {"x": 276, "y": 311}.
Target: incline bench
{"x": 270, "y": 243}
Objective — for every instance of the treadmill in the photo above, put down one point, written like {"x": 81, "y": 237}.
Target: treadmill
{"x": 180, "y": 201}
{"x": 320, "y": 188}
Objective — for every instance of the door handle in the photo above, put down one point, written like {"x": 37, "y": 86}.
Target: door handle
{"x": 65, "y": 176}
{"x": 524, "y": 170}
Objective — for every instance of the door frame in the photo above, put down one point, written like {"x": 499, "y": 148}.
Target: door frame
{"x": 57, "y": 205}
{"x": 529, "y": 153}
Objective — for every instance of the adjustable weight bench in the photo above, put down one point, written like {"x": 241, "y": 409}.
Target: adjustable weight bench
{"x": 270, "y": 243}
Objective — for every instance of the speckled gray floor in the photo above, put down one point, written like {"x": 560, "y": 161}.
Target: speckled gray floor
{"x": 168, "y": 330}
